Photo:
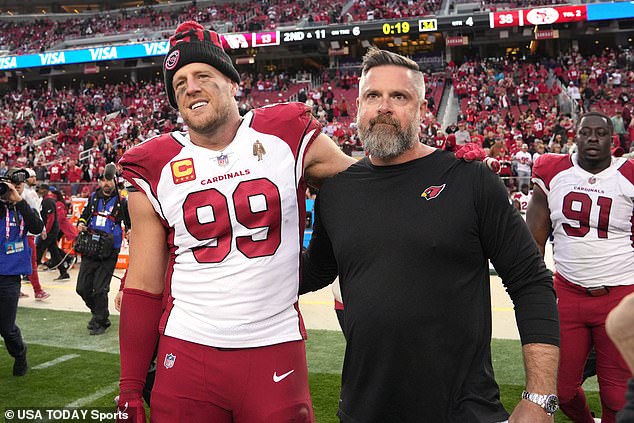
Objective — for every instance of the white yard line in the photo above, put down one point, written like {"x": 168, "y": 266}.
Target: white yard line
{"x": 81, "y": 402}
{"x": 54, "y": 362}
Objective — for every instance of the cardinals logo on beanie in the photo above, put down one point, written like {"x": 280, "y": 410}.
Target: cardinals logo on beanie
{"x": 191, "y": 43}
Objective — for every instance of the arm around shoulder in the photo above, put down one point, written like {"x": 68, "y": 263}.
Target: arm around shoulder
{"x": 324, "y": 159}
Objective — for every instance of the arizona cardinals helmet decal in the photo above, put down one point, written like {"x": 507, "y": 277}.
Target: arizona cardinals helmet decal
{"x": 432, "y": 192}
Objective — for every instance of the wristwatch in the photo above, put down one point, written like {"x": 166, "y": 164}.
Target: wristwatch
{"x": 549, "y": 402}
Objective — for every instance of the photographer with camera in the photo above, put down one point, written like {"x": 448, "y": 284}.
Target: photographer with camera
{"x": 99, "y": 242}
{"x": 15, "y": 260}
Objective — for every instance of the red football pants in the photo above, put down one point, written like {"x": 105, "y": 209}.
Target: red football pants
{"x": 34, "y": 278}
{"x": 582, "y": 325}
{"x": 197, "y": 383}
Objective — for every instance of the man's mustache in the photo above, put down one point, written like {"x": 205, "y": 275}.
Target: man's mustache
{"x": 389, "y": 120}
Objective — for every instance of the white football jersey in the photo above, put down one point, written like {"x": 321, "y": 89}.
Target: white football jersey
{"x": 522, "y": 199}
{"x": 234, "y": 221}
{"x": 592, "y": 217}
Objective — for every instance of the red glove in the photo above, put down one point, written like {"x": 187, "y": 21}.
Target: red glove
{"x": 130, "y": 408}
{"x": 470, "y": 152}
{"x": 493, "y": 164}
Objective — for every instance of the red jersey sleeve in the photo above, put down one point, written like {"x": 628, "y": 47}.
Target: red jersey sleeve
{"x": 143, "y": 163}
{"x": 291, "y": 122}
{"x": 547, "y": 166}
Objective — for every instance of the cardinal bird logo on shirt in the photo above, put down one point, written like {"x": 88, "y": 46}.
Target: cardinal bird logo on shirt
{"x": 432, "y": 192}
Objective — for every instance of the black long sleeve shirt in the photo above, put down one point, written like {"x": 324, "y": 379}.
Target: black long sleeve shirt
{"x": 410, "y": 244}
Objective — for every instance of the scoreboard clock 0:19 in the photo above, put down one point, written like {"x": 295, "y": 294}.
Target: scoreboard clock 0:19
{"x": 396, "y": 28}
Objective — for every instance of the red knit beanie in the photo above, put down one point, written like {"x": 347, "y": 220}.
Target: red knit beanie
{"x": 191, "y": 43}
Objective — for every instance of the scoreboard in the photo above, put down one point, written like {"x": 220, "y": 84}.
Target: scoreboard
{"x": 453, "y": 27}
{"x": 367, "y": 29}
{"x": 538, "y": 16}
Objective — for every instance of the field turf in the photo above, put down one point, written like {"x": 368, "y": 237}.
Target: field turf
{"x": 69, "y": 368}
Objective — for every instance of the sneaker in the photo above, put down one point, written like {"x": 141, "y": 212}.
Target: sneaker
{"x": 23, "y": 295}
{"x": 64, "y": 277}
{"x": 92, "y": 324}
{"x": 98, "y": 330}
{"x": 41, "y": 296}
{"x": 20, "y": 366}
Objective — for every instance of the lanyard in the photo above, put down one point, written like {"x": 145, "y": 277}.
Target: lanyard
{"x": 8, "y": 223}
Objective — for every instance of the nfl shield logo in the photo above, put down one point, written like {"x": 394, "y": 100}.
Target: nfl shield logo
{"x": 169, "y": 361}
{"x": 223, "y": 160}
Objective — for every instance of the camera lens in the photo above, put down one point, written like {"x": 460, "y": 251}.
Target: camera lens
{"x": 4, "y": 188}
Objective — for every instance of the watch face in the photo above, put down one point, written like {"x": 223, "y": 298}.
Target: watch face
{"x": 552, "y": 404}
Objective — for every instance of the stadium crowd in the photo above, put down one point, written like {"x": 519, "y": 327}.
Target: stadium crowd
{"x": 506, "y": 105}
{"x": 68, "y": 135}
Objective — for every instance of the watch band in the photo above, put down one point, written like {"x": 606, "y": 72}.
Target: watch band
{"x": 549, "y": 402}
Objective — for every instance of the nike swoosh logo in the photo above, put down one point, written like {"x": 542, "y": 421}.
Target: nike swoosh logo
{"x": 279, "y": 378}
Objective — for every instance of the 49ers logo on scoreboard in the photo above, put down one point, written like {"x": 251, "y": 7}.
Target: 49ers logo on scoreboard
{"x": 183, "y": 170}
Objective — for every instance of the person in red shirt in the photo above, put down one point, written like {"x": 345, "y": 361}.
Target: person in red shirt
{"x": 74, "y": 173}
{"x": 555, "y": 89}
{"x": 55, "y": 172}
{"x": 500, "y": 152}
{"x": 573, "y": 75}
{"x": 477, "y": 138}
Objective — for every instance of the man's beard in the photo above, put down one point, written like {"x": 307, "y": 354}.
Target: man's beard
{"x": 210, "y": 123}
{"x": 384, "y": 138}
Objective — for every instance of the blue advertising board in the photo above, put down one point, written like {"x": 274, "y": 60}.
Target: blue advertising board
{"x": 606, "y": 11}
{"x": 87, "y": 55}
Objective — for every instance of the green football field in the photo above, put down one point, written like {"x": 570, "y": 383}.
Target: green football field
{"x": 69, "y": 368}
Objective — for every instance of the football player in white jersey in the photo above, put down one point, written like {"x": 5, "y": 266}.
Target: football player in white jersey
{"x": 587, "y": 200}
{"x": 214, "y": 262}
{"x": 521, "y": 198}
